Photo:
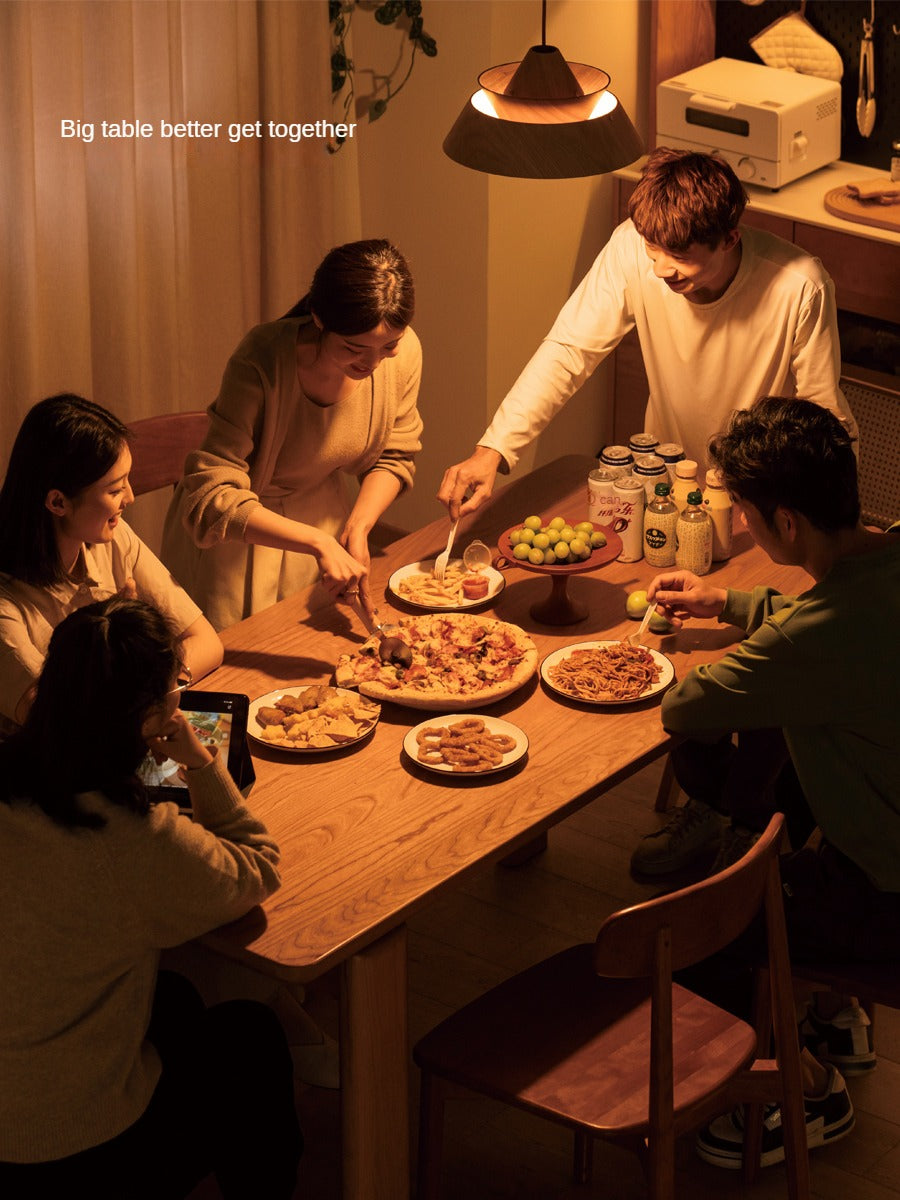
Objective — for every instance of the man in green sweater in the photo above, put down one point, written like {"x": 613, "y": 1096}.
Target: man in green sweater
{"x": 818, "y": 670}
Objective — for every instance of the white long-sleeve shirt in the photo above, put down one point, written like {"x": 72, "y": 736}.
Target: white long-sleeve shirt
{"x": 772, "y": 333}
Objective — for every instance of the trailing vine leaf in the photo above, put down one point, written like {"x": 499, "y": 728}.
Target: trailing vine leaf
{"x": 340, "y": 14}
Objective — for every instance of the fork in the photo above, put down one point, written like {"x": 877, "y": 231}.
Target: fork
{"x": 440, "y": 563}
{"x": 635, "y": 638}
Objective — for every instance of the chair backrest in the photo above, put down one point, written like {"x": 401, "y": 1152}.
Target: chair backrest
{"x": 700, "y": 919}
{"x": 159, "y": 446}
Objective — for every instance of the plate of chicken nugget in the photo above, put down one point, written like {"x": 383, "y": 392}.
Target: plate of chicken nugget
{"x": 311, "y": 718}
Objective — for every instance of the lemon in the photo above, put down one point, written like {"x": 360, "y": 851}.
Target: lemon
{"x": 526, "y": 535}
{"x": 567, "y": 533}
{"x": 584, "y": 527}
{"x": 561, "y": 550}
{"x": 636, "y": 605}
{"x": 536, "y": 556}
{"x": 541, "y": 540}
{"x": 515, "y": 537}
{"x": 532, "y": 523}
{"x": 598, "y": 539}
{"x": 522, "y": 550}
{"x": 557, "y": 523}
{"x": 579, "y": 548}
{"x": 659, "y": 624}
{"x": 549, "y": 558}
{"x": 552, "y": 535}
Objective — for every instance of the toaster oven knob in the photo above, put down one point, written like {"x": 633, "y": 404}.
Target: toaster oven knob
{"x": 746, "y": 168}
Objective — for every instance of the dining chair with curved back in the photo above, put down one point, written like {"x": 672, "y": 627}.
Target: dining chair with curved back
{"x": 599, "y": 1038}
{"x": 159, "y": 446}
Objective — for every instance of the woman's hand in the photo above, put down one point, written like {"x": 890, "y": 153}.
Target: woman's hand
{"x": 178, "y": 740}
{"x": 342, "y": 573}
{"x": 683, "y": 594}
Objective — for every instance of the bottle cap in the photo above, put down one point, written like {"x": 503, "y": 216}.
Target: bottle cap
{"x": 686, "y": 469}
{"x": 662, "y": 489}
{"x": 695, "y": 497}
{"x": 714, "y": 478}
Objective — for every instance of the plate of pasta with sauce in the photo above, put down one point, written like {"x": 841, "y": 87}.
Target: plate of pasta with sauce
{"x": 611, "y": 672}
{"x": 460, "y": 588}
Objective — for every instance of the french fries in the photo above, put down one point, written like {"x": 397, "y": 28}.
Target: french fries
{"x": 319, "y": 717}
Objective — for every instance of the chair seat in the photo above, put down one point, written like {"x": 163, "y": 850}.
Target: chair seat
{"x": 589, "y": 1069}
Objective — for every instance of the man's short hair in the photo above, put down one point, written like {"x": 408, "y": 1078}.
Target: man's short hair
{"x": 792, "y": 454}
{"x": 684, "y": 197}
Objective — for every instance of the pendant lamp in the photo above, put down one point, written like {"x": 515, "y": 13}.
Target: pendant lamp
{"x": 543, "y": 118}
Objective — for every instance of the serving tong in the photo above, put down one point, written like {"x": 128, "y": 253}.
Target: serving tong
{"x": 865, "y": 100}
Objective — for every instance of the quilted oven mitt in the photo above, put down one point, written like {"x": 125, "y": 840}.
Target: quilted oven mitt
{"x": 791, "y": 43}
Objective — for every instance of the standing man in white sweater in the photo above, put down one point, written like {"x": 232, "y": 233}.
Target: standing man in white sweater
{"x": 724, "y": 315}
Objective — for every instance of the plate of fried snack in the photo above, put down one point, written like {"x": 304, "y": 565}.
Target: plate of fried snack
{"x": 311, "y": 718}
{"x": 460, "y": 744}
{"x": 460, "y": 588}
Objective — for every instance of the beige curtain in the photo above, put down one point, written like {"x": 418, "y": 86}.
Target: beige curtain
{"x": 133, "y": 266}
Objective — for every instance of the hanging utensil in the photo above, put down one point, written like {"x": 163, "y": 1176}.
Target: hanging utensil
{"x": 865, "y": 101}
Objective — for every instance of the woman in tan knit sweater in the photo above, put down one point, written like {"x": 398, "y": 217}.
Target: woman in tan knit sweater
{"x": 116, "y": 1081}
{"x": 328, "y": 390}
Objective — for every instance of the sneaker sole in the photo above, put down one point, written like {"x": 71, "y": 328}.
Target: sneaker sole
{"x": 816, "y": 1136}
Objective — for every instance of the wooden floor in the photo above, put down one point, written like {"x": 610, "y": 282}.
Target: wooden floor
{"x": 502, "y": 920}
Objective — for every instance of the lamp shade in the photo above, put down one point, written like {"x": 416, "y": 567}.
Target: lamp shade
{"x": 543, "y": 118}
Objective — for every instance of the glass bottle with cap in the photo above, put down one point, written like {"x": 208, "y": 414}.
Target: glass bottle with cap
{"x": 685, "y": 482}
{"x": 718, "y": 504}
{"x": 660, "y": 520}
{"x": 694, "y": 537}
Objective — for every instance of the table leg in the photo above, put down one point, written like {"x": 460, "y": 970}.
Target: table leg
{"x": 375, "y": 1072}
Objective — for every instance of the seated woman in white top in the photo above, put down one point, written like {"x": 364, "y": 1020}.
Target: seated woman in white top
{"x": 63, "y": 544}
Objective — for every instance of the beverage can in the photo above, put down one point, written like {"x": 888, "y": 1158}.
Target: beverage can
{"x": 617, "y": 459}
{"x": 671, "y": 453}
{"x": 651, "y": 470}
{"x": 629, "y": 521}
{"x": 643, "y": 443}
{"x": 601, "y": 496}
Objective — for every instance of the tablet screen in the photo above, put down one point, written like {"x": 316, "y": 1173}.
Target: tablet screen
{"x": 220, "y": 721}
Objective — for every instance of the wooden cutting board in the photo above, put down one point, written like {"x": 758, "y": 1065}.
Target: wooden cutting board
{"x": 840, "y": 203}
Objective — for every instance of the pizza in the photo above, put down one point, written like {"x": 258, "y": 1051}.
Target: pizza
{"x": 456, "y": 661}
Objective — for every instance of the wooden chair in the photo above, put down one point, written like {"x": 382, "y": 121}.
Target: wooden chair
{"x": 159, "y": 446}
{"x": 600, "y": 1039}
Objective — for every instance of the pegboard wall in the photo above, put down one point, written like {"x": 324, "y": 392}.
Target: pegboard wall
{"x": 840, "y": 22}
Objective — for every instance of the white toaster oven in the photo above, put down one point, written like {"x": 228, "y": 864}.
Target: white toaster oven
{"x": 771, "y": 125}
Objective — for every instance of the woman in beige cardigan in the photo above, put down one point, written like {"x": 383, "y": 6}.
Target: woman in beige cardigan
{"x": 329, "y": 389}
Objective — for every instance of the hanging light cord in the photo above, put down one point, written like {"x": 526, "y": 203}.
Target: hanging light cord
{"x": 543, "y": 22}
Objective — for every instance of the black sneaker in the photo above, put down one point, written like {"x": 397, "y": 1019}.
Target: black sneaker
{"x": 736, "y": 841}
{"x": 829, "y": 1117}
{"x": 686, "y": 835}
{"x": 845, "y": 1040}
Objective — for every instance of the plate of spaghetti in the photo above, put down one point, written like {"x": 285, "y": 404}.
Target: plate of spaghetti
{"x": 460, "y": 588}
{"x": 611, "y": 672}
{"x": 465, "y": 745}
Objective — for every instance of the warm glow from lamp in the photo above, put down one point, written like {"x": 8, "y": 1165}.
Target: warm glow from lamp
{"x": 543, "y": 118}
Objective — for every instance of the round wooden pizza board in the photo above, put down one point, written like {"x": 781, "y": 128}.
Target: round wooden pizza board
{"x": 840, "y": 203}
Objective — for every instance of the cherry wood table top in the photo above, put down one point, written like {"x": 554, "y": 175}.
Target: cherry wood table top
{"x": 366, "y": 835}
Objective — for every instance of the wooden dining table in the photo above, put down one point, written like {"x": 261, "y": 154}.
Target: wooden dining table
{"x": 368, "y": 836}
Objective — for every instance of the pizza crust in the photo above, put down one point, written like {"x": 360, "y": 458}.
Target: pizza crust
{"x": 504, "y": 641}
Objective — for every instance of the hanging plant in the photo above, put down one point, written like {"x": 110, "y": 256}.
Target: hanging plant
{"x": 340, "y": 15}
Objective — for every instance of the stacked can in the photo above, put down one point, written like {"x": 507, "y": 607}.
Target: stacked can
{"x": 601, "y": 496}
{"x": 643, "y": 443}
{"x": 629, "y": 522}
{"x": 671, "y": 453}
{"x": 650, "y": 470}
{"x": 617, "y": 459}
